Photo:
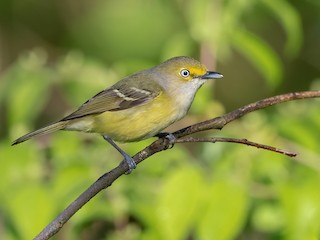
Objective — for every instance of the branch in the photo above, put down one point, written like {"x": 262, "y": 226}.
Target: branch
{"x": 236, "y": 140}
{"x": 220, "y": 122}
{"x": 162, "y": 144}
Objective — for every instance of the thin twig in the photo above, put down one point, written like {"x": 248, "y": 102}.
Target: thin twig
{"x": 236, "y": 140}
{"x": 159, "y": 145}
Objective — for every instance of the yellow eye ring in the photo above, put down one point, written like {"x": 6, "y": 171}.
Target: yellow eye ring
{"x": 185, "y": 73}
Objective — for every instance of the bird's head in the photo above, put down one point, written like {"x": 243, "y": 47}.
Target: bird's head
{"x": 184, "y": 71}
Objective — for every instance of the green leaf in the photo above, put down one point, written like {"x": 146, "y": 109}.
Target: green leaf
{"x": 302, "y": 210}
{"x": 28, "y": 90}
{"x": 268, "y": 217}
{"x": 179, "y": 44}
{"x": 260, "y": 54}
{"x": 178, "y": 203}
{"x": 30, "y": 208}
{"x": 290, "y": 20}
{"x": 225, "y": 213}
{"x": 18, "y": 165}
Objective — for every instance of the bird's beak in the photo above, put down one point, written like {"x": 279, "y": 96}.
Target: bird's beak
{"x": 211, "y": 75}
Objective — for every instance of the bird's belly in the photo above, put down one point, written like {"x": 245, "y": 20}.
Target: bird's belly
{"x": 137, "y": 123}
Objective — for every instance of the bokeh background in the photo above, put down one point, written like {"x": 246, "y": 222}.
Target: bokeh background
{"x": 54, "y": 55}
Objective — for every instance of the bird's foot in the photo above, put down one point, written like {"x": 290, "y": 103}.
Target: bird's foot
{"x": 130, "y": 162}
{"x": 168, "y": 137}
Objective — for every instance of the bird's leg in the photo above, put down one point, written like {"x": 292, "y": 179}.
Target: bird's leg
{"x": 169, "y": 136}
{"x": 129, "y": 160}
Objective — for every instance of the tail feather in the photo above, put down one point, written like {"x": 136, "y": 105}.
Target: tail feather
{"x": 48, "y": 129}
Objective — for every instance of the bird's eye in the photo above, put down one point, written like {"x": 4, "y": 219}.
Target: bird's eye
{"x": 184, "y": 73}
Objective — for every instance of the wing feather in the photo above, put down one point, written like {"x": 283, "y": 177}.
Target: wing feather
{"x": 120, "y": 96}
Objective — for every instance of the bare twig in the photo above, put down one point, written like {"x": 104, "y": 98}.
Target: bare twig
{"x": 161, "y": 144}
{"x": 236, "y": 140}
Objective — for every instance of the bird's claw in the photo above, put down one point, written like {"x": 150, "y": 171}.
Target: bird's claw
{"x": 130, "y": 162}
{"x": 169, "y": 137}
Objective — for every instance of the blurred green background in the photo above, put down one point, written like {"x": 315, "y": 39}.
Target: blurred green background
{"x": 54, "y": 55}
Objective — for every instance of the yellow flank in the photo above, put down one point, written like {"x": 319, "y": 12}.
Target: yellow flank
{"x": 136, "y": 123}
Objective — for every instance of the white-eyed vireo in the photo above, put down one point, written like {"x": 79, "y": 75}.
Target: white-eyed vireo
{"x": 139, "y": 106}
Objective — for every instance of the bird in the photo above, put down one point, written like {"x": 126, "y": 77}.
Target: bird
{"x": 139, "y": 106}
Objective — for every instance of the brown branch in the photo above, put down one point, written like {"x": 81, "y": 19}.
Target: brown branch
{"x": 236, "y": 140}
{"x": 161, "y": 144}
{"x": 221, "y": 121}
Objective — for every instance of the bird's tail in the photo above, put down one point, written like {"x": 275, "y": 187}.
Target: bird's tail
{"x": 48, "y": 129}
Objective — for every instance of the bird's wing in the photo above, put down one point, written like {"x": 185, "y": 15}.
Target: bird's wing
{"x": 122, "y": 95}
